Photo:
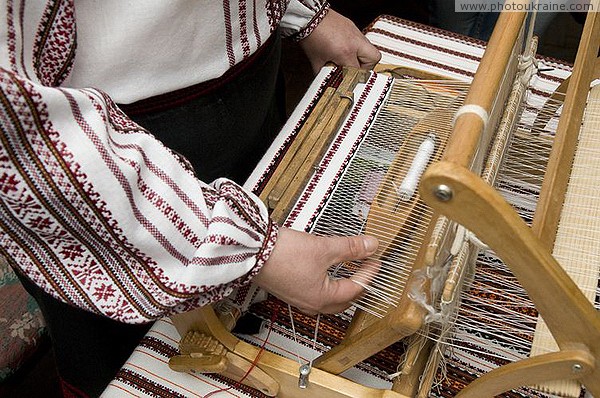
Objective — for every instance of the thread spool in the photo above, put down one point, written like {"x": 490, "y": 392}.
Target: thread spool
{"x": 407, "y": 189}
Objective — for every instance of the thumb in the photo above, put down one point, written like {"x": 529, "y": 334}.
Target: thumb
{"x": 348, "y": 248}
{"x": 368, "y": 55}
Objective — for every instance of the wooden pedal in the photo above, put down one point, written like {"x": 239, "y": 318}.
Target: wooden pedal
{"x": 201, "y": 353}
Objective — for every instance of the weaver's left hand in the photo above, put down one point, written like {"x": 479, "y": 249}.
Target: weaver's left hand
{"x": 338, "y": 40}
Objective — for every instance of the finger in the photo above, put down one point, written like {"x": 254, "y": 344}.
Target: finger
{"x": 342, "y": 292}
{"x": 347, "y": 248}
{"x": 338, "y": 294}
{"x": 368, "y": 55}
{"x": 366, "y": 273}
{"x": 346, "y": 60}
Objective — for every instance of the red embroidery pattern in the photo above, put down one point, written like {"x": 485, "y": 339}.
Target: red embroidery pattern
{"x": 255, "y": 24}
{"x": 308, "y": 29}
{"x": 57, "y": 228}
{"x": 275, "y": 11}
{"x": 61, "y": 226}
{"x": 11, "y": 35}
{"x": 243, "y": 15}
{"x": 54, "y": 47}
{"x": 228, "y": 32}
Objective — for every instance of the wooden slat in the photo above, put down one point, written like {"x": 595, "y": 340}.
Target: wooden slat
{"x": 308, "y": 148}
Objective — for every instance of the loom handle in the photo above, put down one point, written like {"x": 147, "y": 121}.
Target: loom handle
{"x": 200, "y": 364}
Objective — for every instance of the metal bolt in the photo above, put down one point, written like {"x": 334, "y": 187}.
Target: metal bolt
{"x": 443, "y": 193}
{"x": 303, "y": 379}
{"x": 577, "y": 368}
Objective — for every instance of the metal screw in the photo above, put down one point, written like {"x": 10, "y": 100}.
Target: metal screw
{"x": 577, "y": 368}
{"x": 443, "y": 193}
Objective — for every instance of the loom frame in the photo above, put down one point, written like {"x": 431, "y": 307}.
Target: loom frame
{"x": 527, "y": 251}
{"x": 497, "y": 224}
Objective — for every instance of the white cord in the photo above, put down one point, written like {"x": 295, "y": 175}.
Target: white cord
{"x": 475, "y": 109}
{"x": 314, "y": 342}
{"x": 294, "y": 333}
{"x": 315, "y": 338}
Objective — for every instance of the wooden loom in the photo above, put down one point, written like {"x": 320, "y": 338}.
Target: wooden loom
{"x": 450, "y": 187}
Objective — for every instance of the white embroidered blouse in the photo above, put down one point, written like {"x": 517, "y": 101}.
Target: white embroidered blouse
{"x": 94, "y": 209}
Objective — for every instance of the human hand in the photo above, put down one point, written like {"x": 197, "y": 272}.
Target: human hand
{"x": 296, "y": 271}
{"x": 336, "y": 39}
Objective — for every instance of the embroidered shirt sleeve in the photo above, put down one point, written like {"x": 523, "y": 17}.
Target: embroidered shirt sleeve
{"x": 101, "y": 215}
{"x": 302, "y": 17}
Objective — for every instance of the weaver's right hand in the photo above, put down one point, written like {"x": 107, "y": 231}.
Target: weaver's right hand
{"x": 296, "y": 271}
